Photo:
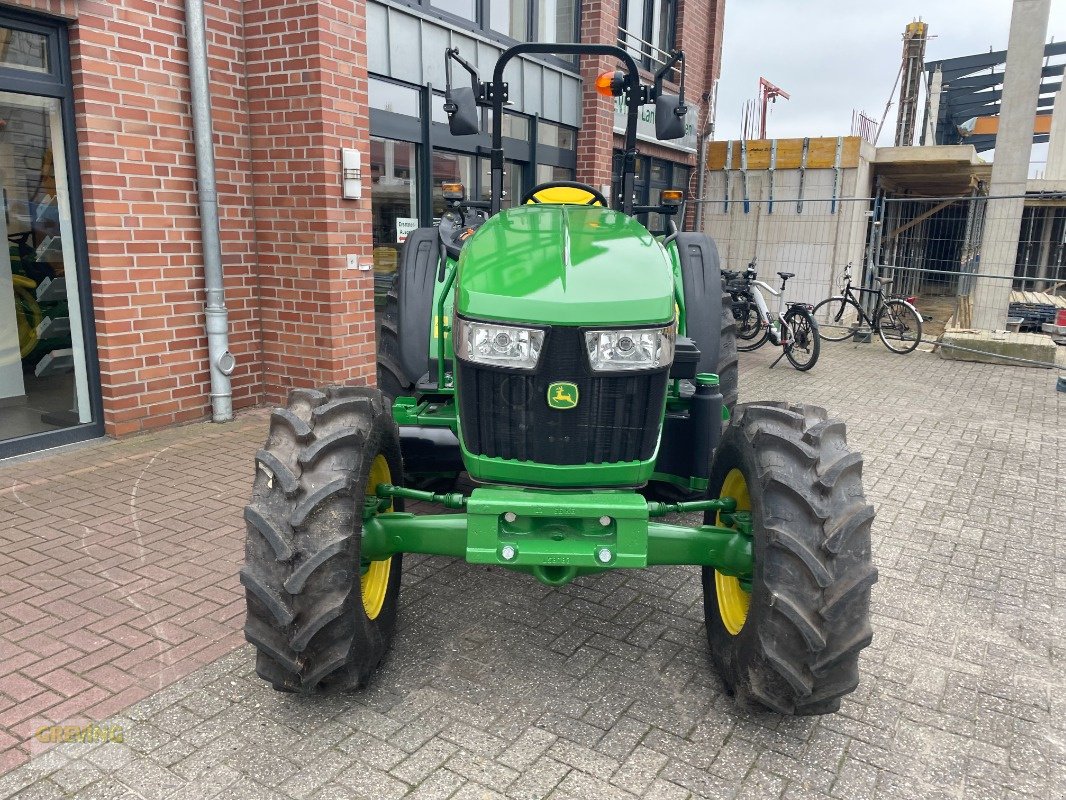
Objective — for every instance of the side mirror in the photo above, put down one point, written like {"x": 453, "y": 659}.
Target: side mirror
{"x": 463, "y": 116}
{"x": 669, "y": 117}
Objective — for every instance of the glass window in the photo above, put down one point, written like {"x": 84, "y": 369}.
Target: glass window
{"x": 515, "y": 126}
{"x": 450, "y": 167}
{"x": 648, "y": 29}
{"x": 556, "y": 20}
{"x": 509, "y": 18}
{"x": 661, "y": 32}
{"x": 43, "y": 372}
{"x": 437, "y": 112}
{"x": 551, "y": 135}
{"x": 461, "y": 8}
{"x": 512, "y": 182}
{"x": 388, "y": 96}
{"x": 24, "y": 50}
{"x": 633, "y": 25}
{"x": 394, "y": 206}
{"x": 546, "y": 173}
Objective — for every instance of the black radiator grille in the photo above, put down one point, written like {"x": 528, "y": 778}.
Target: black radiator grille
{"x": 505, "y": 414}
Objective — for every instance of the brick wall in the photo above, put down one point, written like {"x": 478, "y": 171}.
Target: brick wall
{"x": 289, "y": 91}
{"x": 595, "y": 140}
{"x": 307, "y": 89}
{"x": 288, "y": 85}
{"x": 700, "y": 26}
{"x": 130, "y": 74}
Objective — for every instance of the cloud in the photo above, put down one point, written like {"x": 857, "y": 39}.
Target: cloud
{"x": 833, "y": 56}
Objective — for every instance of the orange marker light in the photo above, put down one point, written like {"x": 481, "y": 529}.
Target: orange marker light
{"x": 611, "y": 84}
{"x": 453, "y": 191}
{"x": 671, "y": 197}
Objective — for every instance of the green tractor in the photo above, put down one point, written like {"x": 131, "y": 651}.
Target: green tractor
{"x": 583, "y": 372}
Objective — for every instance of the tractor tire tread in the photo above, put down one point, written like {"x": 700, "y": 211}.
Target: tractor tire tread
{"x": 298, "y": 428}
{"x": 305, "y": 612}
{"x": 279, "y": 471}
{"x": 808, "y": 619}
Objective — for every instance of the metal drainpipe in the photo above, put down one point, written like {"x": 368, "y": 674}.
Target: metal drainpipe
{"x": 220, "y": 359}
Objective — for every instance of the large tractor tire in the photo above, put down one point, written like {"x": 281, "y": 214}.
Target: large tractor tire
{"x": 392, "y": 380}
{"x": 318, "y": 615}
{"x": 791, "y": 643}
{"x": 728, "y": 367}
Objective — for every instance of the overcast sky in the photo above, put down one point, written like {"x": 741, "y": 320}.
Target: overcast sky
{"x": 833, "y": 56}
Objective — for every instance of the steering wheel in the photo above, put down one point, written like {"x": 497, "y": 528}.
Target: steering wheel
{"x": 569, "y": 192}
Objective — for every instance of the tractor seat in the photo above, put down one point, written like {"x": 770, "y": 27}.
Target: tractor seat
{"x": 564, "y": 192}
{"x": 786, "y": 275}
{"x": 885, "y": 281}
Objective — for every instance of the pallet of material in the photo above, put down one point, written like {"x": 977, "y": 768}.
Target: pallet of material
{"x": 1038, "y": 299}
{"x": 1034, "y": 308}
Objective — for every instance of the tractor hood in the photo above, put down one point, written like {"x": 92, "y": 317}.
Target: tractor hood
{"x": 565, "y": 265}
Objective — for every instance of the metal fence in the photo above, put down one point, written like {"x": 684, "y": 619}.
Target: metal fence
{"x": 974, "y": 262}
{"x": 969, "y": 262}
{"x": 813, "y": 239}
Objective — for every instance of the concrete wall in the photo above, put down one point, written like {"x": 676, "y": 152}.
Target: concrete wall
{"x": 814, "y": 241}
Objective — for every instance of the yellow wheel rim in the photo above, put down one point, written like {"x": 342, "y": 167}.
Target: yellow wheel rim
{"x": 733, "y": 601}
{"x": 375, "y": 580}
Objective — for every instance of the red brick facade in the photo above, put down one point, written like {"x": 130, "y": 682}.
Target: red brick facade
{"x": 700, "y": 26}
{"x": 289, "y": 83}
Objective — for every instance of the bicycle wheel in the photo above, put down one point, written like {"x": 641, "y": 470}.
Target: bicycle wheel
{"x": 899, "y": 325}
{"x": 759, "y": 341}
{"x": 837, "y": 318}
{"x": 803, "y": 343}
{"x": 747, "y": 317}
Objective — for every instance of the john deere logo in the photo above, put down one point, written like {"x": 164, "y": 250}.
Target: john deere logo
{"x": 562, "y": 395}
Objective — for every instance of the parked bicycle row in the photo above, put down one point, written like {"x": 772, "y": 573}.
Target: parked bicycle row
{"x": 798, "y": 328}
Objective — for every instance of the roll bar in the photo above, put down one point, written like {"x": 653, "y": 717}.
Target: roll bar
{"x": 494, "y": 93}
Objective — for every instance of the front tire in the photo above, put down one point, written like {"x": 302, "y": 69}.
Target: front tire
{"x": 317, "y": 615}
{"x": 747, "y": 316}
{"x": 791, "y": 643}
{"x": 900, "y": 326}
{"x": 838, "y": 319}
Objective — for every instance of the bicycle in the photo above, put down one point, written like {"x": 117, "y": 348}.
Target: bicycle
{"x": 792, "y": 328}
{"x": 897, "y": 322}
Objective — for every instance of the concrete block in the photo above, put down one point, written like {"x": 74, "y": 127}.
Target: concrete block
{"x": 988, "y": 348}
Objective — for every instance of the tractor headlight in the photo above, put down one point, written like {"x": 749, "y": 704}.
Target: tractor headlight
{"x": 646, "y": 348}
{"x": 497, "y": 345}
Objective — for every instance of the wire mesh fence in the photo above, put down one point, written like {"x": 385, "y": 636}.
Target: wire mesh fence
{"x": 965, "y": 263}
{"x": 988, "y": 263}
{"x": 812, "y": 240}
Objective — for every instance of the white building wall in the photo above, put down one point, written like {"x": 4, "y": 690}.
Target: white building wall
{"x": 814, "y": 239}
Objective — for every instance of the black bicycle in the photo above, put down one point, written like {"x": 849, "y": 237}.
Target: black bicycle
{"x": 896, "y": 321}
{"x": 793, "y": 328}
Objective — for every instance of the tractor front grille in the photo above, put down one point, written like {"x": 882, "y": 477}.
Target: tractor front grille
{"x": 505, "y": 413}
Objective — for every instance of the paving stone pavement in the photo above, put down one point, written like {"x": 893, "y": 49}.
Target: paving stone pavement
{"x": 500, "y": 687}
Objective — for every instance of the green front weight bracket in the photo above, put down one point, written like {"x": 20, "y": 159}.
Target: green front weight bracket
{"x": 559, "y": 536}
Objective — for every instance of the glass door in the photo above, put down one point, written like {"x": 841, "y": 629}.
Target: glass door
{"x": 48, "y": 389}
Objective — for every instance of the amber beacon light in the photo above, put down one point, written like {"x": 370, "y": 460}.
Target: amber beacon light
{"x": 611, "y": 84}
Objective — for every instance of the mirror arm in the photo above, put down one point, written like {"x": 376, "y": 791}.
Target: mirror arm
{"x": 677, "y": 57}
{"x": 452, "y": 54}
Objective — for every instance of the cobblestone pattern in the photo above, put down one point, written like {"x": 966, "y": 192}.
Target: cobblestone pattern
{"x": 500, "y": 687}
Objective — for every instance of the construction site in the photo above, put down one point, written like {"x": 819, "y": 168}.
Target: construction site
{"x": 978, "y": 243}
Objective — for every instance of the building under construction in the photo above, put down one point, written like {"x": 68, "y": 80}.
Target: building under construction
{"x": 918, "y": 214}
